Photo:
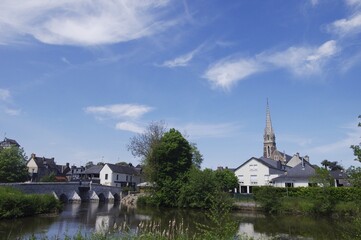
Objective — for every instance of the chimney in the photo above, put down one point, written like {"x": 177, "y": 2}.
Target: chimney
{"x": 33, "y": 155}
{"x": 307, "y": 158}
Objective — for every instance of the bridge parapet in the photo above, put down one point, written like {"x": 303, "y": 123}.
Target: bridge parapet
{"x": 70, "y": 190}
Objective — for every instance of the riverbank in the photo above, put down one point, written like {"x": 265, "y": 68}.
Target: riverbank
{"x": 15, "y": 204}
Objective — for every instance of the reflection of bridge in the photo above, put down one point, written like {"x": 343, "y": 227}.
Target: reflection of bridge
{"x": 70, "y": 191}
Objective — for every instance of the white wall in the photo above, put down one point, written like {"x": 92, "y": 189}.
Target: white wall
{"x": 32, "y": 167}
{"x": 106, "y": 170}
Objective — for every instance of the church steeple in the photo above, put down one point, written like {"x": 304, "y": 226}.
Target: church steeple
{"x": 269, "y": 143}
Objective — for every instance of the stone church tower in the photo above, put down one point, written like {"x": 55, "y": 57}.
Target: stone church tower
{"x": 269, "y": 137}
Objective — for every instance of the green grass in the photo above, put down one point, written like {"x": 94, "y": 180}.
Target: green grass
{"x": 15, "y": 204}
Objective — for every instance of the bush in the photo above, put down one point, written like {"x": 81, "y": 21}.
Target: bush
{"x": 14, "y": 204}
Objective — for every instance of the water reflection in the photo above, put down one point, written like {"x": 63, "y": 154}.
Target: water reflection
{"x": 90, "y": 217}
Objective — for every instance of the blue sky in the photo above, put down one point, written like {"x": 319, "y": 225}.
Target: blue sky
{"x": 79, "y": 78}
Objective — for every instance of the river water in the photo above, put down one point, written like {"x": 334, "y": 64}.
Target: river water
{"x": 92, "y": 217}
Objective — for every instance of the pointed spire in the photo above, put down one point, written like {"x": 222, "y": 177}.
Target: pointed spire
{"x": 268, "y": 129}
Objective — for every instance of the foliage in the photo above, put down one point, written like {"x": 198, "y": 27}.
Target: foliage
{"x": 199, "y": 190}
{"x": 49, "y": 178}
{"x": 311, "y": 200}
{"x": 354, "y": 176}
{"x": 14, "y": 203}
{"x": 197, "y": 157}
{"x": 89, "y": 164}
{"x": 357, "y": 148}
{"x": 143, "y": 145}
{"x": 322, "y": 177}
{"x": 13, "y": 165}
{"x": 331, "y": 165}
{"x": 226, "y": 179}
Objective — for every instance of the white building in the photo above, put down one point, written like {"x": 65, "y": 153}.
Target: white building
{"x": 119, "y": 175}
{"x": 274, "y": 168}
{"x": 258, "y": 172}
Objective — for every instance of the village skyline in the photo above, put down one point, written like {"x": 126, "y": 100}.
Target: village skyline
{"x": 78, "y": 80}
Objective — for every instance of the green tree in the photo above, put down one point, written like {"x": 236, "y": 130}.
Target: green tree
{"x": 173, "y": 159}
{"x": 13, "y": 165}
{"x": 142, "y": 145}
{"x": 197, "y": 157}
{"x": 354, "y": 176}
{"x": 357, "y": 148}
{"x": 226, "y": 180}
{"x": 89, "y": 164}
{"x": 49, "y": 178}
{"x": 322, "y": 177}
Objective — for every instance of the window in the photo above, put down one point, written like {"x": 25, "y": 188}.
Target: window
{"x": 241, "y": 179}
{"x": 106, "y": 176}
{"x": 253, "y": 167}
{"x": 289, "y": 184}
{"x": 254, "y": 179}
{"x": 117, "y": 177}
{"x": 126, "y": 178}
{"x": 131, "y": 178}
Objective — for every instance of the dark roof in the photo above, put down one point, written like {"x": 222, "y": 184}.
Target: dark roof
{"x": 94, "y": 169}
{"x": 123, "y": 169}
{"x": 44, "y": 162}
{"x": 338, "y": 174}
{"x": 8, "y": 141}
{"x": 276, "y": 165}
{"x": 300, "y": 171}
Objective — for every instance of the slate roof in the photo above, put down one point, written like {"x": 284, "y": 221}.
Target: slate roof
{"x": 123, "y": 169}
{"x": 93, "y": 170}
{"x": 338, "y": 174}
{"x": 272, "y": 164}
{"x": 300, "y": 171}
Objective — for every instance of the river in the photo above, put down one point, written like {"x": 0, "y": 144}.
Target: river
{"x": 90, "y": 217}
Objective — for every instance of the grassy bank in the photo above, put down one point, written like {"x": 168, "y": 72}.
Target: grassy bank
{"x": 15, "y": 204}
{"x": 310, "y": 201}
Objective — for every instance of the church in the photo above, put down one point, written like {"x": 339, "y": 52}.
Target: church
{"x": 274, "y": 168}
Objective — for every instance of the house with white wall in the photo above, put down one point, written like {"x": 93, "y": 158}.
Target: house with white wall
{"x": 298, "y": 176}
{"x": 119, "y": 175}
{"x": 258, "y": 172}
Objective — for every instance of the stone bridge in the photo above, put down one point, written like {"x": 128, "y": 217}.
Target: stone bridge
{"x": 71, "y": 191}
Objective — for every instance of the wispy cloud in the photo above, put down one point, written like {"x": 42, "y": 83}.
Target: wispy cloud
{"x": 207, "y": 130}
{"x": 301, "y": 61}
{"x": 182, "y": 60}
{"x": 227, "y": 72}
{"x": 4, "y": 94}
{"x": 126, "y": 113}
{"x": 347, "y": 26}
{"x": 83, "y": 22}
{"x": 12, "y": 112}
{"x": 129, "y": 126}
{"x": 119, "y": 111}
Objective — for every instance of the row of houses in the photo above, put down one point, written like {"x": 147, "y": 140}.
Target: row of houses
{"x": 106, "y": 174}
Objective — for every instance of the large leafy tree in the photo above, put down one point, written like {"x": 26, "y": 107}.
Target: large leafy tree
{"x": 226, "y": 179}
{"x": 13, "y": 165}
{"x": 172, "y": 161}
{"x": 357, "y": 148}
{"x": 173, "y": 156}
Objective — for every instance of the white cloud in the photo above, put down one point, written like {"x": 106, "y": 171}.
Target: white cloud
{"x": 4, "y": 94}
{"x": 206, "y": 130}
{"x": 119, "y": 111}
{"x": 227, "y": 72}
{"x": 353, "y": 3}
{"x": 180, "y": 61}
{"x": 12, "y": 112}
{"x": 347, "y": 26}
{"x": 82, "y": 22}
{"x": 314, "y": 2}
{"x": 129, "y": 126}
{"x": 301, "y": 61}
